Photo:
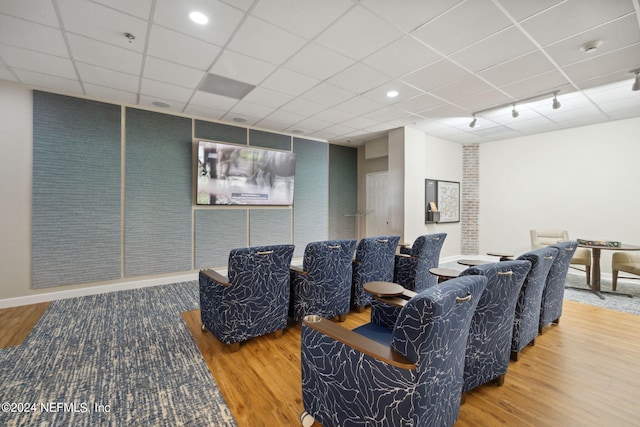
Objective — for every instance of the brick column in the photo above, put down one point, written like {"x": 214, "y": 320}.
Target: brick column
{"x": 470, "y": 200}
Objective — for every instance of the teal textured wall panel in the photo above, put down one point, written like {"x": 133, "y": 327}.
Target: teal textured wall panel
{"x": 76, "y": 234}
{"x": 269, "y": 226}
{"x": 311, "y": 193}
{"x": 217, "y": 232}
{"x": 258, "y": 138}
{"x": 220, "y": 132}
{"x": 343, "y": 192}
{"x": 158, "y": 195}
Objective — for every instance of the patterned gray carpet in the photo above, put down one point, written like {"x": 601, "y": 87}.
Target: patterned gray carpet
{"x": 119, "y": 359}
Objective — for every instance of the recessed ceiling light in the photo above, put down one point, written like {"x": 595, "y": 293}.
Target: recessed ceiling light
{"x": 199, "y": 18}
{"x": 239, "y": 120}
{"x": 392, "y": 94}
{"x": 298, "y": 131}
{"x": 161, "y": 104}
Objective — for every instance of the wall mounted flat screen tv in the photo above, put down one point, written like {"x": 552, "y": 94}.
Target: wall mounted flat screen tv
{"x": 240, "y": 175}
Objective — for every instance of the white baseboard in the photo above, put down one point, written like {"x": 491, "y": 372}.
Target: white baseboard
{"x": 94, "y": 290}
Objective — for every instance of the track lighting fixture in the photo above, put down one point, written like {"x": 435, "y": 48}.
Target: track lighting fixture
{"x": 556, "y": 104}
{"x": 636, "y": 82}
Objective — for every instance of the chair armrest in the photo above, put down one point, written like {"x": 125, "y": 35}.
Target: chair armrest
{"x": 360, "y": 343}
{"x": 406, "y": 256}
{"x": 356, "y": 262}
{"x": 216, "y": 277}
{"x": 297, "y": 269}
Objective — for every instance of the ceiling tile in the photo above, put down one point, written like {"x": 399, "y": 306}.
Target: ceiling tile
{"x": 41, "y": 12}
{"x": 34, "y": 61}
{"x": 303, "y": 107}
{"x": 410, "y": 14}
{"x": 318, "y": 62}
{"x": 174, "y": 93}
{"x": 20, "y": 33}
{"x": 334, "y": 115}
{"x": 402, "y": 57}
{"x": 114, "y": 95}
{"x": 485, "y": 54}
{"x": 267, "y": 97}
{"x": 103, "y": 24}
{"x": 463, "y": 25}
{"x": 517, "y": 69}
{"x": 209, "y": 113}
{"x": 546, "y": 82}
{"x": 246, "y": 109}
{"x": 139, "y": 8}
{"x": 310, "y": 125}
{"x": 435, "y": 75}
{"x": 5, "y": 74}
{"x": 573, "y": 16}
{"x": 485, "y": 100}
{"x": 625, "y": 59}
{"x": 614, "y": 35}
{"x": 290, "y": 82}
{"x": 287, "y": 118}
{"x": 359, "y": 105}
{"x": 242, "y": 68}
{"x": 105, "y": 55}
{"x": 522, "y": 9}
{"x": 182, "y": 49}
{"x": 174, "y": 106}
{"x": 463, "y": 88}
{"x": 358, "y": 34}
{"x": 48, "y": 81}
{"x": 212, "y": 101}
{"x": 264, "y": 41}
{"x": 307, "y": 18}
{"x": 223, "y": 19}
{"x": 175, "y": 74}
{"x": 327, "y": 94}
{"x": 108, "y": 78}
{"x": 359, "y": 78}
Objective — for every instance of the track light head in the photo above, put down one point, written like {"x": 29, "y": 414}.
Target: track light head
{"x": 556, "y": 104}
{"x": 636, "y": 82}
{"x": 514, "y": 112}
{"x": 473, "y": 122}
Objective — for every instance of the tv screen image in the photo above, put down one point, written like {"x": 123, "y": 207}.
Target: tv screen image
{"x": 240, "y": 175}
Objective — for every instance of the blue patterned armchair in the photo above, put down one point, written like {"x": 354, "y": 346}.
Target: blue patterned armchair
{"x": 375, "y": 258}
{"x": 253, "y": 299}
{"x": 413, "y": 264}
{"x": 408, "y": 376}
{"x": 489, "y": 343}
{"x": 527, "y": 315}
{"x": 553, "y": 294}
{"x": 323, "y": 285}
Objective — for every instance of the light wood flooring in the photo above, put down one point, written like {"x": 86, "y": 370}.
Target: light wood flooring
{"x": 583, "y": 372}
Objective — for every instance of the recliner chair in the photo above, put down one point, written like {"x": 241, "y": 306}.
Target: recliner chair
{"x": 624, "y": 261}
{"x": 553, "y": 293}
{"x": 323, "y": 285}
{"x": 489, "y": 344}
{"x": 413, "y": 264}
{"x": 411, "y": 375}
{"x": 254, "y": 297}
{"x": 374, "y": 261}
{"x": 527, "y": 314}
{"x": 542, "y": 238}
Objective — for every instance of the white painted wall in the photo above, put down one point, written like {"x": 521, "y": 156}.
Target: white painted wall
{"x": 583, "y": 180}
{"x": 434, "y": 158}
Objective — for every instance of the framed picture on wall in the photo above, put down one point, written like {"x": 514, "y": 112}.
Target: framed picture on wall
{"x": 448, "y": 201}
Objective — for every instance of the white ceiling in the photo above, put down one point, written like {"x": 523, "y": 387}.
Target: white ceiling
{"x": 322, "y": 68}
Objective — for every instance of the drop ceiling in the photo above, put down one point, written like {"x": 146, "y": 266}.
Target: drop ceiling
{"x": 322, "y": 69}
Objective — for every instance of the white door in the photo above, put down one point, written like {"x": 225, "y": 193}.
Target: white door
{"x": 377, "y": 212}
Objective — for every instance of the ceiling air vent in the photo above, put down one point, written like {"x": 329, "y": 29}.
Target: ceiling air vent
{"x": 230, "y": 88}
